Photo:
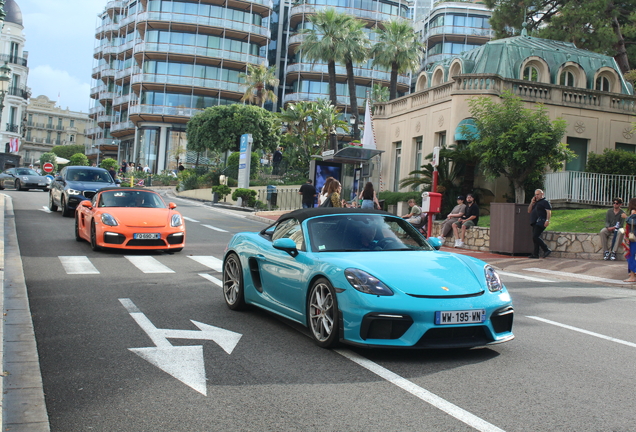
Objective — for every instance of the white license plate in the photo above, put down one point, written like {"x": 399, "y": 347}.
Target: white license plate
{"x": 147, "y": 236}
{"x": 460, "y": 317}
{"x": 41, "y": 184}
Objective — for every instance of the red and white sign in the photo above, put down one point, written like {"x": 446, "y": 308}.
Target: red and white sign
{"x": 48, "y": 167}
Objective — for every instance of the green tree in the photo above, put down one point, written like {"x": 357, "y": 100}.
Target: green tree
{"x": 78, "y": 159}
{"x": 66, "y": 151}
{"x": 379, "y": 94}
{"x": 255, "y": 163}
{"x": 259, "y": 80}
{"x": 398, "y": 48}
{"x": 49, "y": 157}
{"x": 605, "y": 27}
{"x": 109, "y": 163}
{"x": 612, "y": 162}
{"x": 516, "y": 142}
{"x": 220, "y": 128}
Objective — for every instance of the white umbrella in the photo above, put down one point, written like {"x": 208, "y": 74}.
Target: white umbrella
{"x": 61, "y": 160}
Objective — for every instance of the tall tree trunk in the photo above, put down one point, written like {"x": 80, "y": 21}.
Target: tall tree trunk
{"x": 331, "y": 69}
{"x": 393, "y": 85}
{"x": 353, "y": 99}
{"x": 520, "y": 192}
{"x": 621, "y": 52}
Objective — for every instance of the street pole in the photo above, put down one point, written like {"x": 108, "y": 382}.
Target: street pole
{"x": 98, "y": 154}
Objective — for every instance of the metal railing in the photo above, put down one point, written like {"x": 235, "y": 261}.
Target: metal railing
{"x": 589, "y": 188}
{"x": 286, "y": 199}
{"x": 12, "y": 127}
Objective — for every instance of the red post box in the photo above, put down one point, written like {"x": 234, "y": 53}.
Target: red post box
{"x": 431, "y": 202}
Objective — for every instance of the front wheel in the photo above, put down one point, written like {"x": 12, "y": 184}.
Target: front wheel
{"x": 18, "y": 186}
{"x": 52, "y": 205}
{"x": 77, "y": 228}
{"x": 94, "y": 238}
{"x": 322, "y": 307}
{"x": 233, "y": 283}
{"x": 66, "y": 212}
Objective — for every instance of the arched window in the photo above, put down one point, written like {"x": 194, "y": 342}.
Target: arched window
{"x": 531, "y": 73}
{"x": 602, "y": 84}
{"x": 567, "y": 79}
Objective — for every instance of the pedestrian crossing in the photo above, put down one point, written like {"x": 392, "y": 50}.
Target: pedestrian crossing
{"x": 82, "y": 265}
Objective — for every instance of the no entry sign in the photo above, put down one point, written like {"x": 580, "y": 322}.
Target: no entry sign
{"x": 48, "y": 167}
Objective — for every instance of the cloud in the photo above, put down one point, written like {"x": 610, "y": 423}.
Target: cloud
{"x": 74, "y": 94}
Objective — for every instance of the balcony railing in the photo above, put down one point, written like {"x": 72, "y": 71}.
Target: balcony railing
{"x": 459, "y": 30}
{"x": 12, "y": 127}
{"x": 187, "y": 81}
{"x": 126, "y": 125}
{"x": 588, "y": 188}
{"x": 199, "y": 52}
{"x": 21, "y": 92}
{"x": 13, "y": 59}
{"x": 340, "y": 70}
{"x": 313, "y": 97}
{"x": 163, "y": 110}
{"x": 358, "y": 13}
{"x": 205, "y": 21}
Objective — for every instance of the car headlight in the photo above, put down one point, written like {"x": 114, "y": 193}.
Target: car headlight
{"x": 492, "y": 279}
{"x": 73, "y": 192}
{"x": 108, "y": 219}
{"x": 364, "y": 282}
{"x": 176, "y": 220}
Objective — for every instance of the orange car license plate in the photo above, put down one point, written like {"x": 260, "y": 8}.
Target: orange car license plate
{"x": 147, "y": 236}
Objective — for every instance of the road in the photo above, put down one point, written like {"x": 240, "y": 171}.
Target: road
{"x": 119, "y": 342}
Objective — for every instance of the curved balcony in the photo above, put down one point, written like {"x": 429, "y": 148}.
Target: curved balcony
{"x": 313, "y": 97}
{"x": 97, "y": 70}
{"x": 460, "y": 31}
{"x": 367, "y": 15}
{"x": 126, "y": 72}
{"x": 13, "y": 59}
{"x": 108, "y": 72}
{"x": 122, "y": 128}
{"x": 125, "y": 99}
{"x": 96, "y": 109}
{"x": 104, "y": 119}
{"x": 320, "y": 68}
{"x": 437, "y": 57}
{"x": 183, "y": 81}
{"x": 128, "y": 46}
{"x": 165, "y": 48}
{"x": 90, "y": 132}
{"x": 202, "y": 21}
{"x": 106, "y": 95}
{"x": 107, "y": 28}
{"x": 159, "y": 112}
{"x": 115, "y": 4}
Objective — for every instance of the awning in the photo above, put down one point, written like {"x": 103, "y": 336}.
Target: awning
{"x": 470, "y": 125}
{"x": 353, "y": 155}
{"x": 61, "y": 160}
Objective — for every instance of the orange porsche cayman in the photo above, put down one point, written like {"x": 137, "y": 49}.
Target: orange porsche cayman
{"x": 129, "y": 218}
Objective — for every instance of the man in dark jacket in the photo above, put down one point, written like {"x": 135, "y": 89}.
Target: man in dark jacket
{"x": 540, "y": 211}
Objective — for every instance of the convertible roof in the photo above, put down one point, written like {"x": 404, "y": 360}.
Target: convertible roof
{"x": 307, "y": 213}
{"x": 118, "y": 188}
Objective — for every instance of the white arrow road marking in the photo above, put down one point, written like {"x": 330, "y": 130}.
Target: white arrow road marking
{"x": 45, "y": 209}
{"x": 78, "y": 265}
{"x": 184, "y": 363}
{"x": 214, "y": 228}
{"x": 190, "y": 219}
{"x": 209, "y": 261}
{"x": 421, "y": 393}
{"x": 211, "y": 279}
{"x": 148, "y": 264}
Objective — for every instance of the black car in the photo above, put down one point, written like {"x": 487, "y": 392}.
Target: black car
{"x": 23, "y": 179}
{"x": 75, "y": 184}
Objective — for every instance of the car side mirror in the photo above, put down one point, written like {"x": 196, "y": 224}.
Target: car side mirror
{"x": 59, "y": 178}
{"x": 117, "y": 181}
{"x": 435, "y": 242}
{"x": 87, "y": 204}
{"x": 172, "y": 205}
{"x": 287, "y": 245}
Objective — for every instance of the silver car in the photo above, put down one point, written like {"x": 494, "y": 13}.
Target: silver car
{"x": 23, "y": 179}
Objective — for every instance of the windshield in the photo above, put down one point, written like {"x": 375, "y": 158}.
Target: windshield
{"x": 26, "y": 171}
{"x": 130, "y": 199}
{"x": 353, "y": 232}
{"x": 81, "y": 175}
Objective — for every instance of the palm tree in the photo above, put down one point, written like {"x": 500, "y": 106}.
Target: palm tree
{"x": 258, "y": 80}
{"x": 398, "y": 49}
{"x": 327, "y": 117}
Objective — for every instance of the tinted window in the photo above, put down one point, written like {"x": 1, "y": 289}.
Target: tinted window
{"x": 290, "y": 229}
{"x": 83, "y": 175}
{"x": 127, "y": 198}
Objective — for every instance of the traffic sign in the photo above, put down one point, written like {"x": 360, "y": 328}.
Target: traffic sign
{"x": 48, "y": 167}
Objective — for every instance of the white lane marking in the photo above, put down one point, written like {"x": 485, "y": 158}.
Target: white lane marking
{"x": 578, "y": 276}
{"x": 45, "y": 209}
{"x": 148, "y": 264}
{"x": 598, "y": 335}
{"x": 190, "y": 219}
{"x": 209, "y": 261}
{"x": 78, "y": 265}
{"x": 218, "y": 210}
{"x": 423, "y": 394}
{"x": 211, "y": 279}
{"x": 214, "y": 228}
{"x": 531, "y": 278}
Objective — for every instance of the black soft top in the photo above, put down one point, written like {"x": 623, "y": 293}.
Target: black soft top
{"x": 307, "y": 213}
{"x": 120, "y": 189}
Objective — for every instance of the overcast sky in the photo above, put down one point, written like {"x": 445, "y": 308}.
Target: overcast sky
{"x": 60, "y": 39}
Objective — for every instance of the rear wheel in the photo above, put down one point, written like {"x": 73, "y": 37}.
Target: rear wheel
{"x": 322, "y": 308}
{"x": 52, "y": 205}
{"x": 94, "y": 238}
{"x": 233, "y": 283}
{"x": 18, "y": 186}
{"x": 65, "y": 210}
{"x": 77, "y": 234}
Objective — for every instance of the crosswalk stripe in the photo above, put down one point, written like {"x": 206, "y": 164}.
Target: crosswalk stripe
{"x": 148, "y": 264}
{"x": 214, "y": 228}
{"x": 78, "y": 265}
{"x": 211, "y": 279}
{"x": 209, "y": 261}
{"x": 190, "y": 219}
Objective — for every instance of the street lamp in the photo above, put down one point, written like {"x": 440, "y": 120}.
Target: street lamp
{"x": 352, "y": 122}
{"x": 5, "y": 77}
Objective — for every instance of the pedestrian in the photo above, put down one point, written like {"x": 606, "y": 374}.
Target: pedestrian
{"x": 323, "y": 191}
{"x": 124, "y": 165}
{"x": 457, "y": 212}
{"x": 147, "y": 169}
{"x": 613, "y": 222}
{"x": 414, "y": 217}
{"x": 629, "y": 242}
{"x": 308, "y": 191}
{"x": 333, "y": 195}
{"x": 276, "y": 160}
{"x": 540, "y": 211}
{"x": 468, "y": 219}
{"x": 112, "y": 172}
{"x": 368, "y": 197}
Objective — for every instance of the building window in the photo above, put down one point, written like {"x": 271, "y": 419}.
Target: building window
{"x": 602, "y": 84}
{"x": 630, "y": 148}
{"x": 531, "y": 73}
{"x": 567, "y": 79}
{"x": 579, "y": 147}
{"x": 48, "y": 137}
{"x": 398, "y": 160}
{"x": 71, "y": 138}
{"x": 441, "y": 139}
{"x": 72, "y": 123}
{"x": 418, "y": 153}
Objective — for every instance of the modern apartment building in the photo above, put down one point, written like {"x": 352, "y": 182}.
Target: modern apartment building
{"x": 48, "y": 125}
{"x": 12, "y": 43}
{"x": 158, "y": 62}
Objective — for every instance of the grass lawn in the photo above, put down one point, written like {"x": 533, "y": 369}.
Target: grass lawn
{"x": 570, "y": 220}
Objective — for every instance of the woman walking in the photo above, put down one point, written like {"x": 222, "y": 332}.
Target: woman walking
{"x": 323, "y": 191}
{"x": 629, "y": 241}
{"x": 368, "y": 197}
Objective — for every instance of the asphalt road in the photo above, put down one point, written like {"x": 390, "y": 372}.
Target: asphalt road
{"x": 108, "y": 366}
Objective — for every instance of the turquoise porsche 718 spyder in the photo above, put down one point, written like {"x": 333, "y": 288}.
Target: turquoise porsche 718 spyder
{"x": 368, "y": 278}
